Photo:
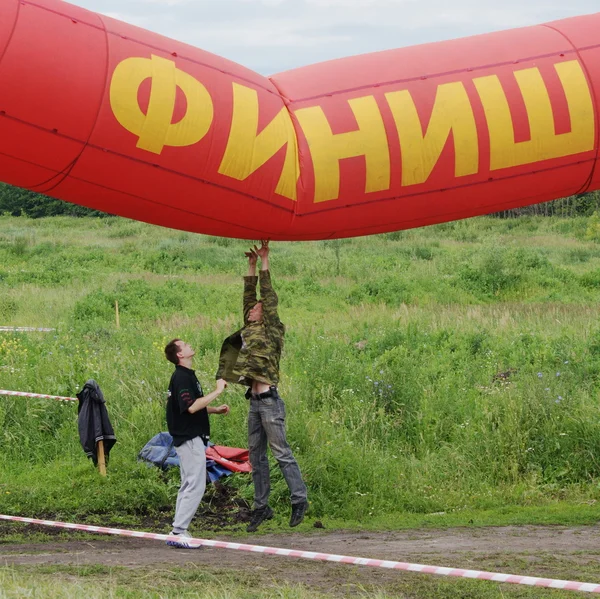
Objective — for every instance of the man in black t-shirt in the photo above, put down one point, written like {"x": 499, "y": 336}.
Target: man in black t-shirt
{"x": 187, "y": 419}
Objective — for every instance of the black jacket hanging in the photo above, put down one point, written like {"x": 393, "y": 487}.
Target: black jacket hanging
{"x": 93, "y": 422}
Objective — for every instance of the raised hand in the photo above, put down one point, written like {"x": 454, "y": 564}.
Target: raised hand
{"x": 263, "y": 250}
{"x": 252, "y": 257}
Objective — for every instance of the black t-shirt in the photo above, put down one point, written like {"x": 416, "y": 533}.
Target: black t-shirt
{"x": 184, "y": 390}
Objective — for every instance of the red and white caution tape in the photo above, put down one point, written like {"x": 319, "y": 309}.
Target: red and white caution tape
{"x": 585, "y": 587}
{"x": 36, "y": 395}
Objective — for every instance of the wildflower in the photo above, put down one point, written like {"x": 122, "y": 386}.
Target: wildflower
{"x": 566, "y": 361}
{"x": 540, "y": 375}
{"x": 547, "y": 388}
{"x": 558, "y": 374}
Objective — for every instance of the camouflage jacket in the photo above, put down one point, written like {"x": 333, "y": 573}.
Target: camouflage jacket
{"x": 253, "y": 352}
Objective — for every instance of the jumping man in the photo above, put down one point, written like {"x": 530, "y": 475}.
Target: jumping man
{"x": 251, "y": 357}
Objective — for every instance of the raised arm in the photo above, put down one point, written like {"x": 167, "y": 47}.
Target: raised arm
{"x": 269, "y": 298}
{"x": 250, "y": 281}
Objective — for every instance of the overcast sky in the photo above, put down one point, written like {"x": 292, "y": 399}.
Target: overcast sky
{"x": 270, "y": 36}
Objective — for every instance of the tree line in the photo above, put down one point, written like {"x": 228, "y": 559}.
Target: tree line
{"x": 22, "y": 202}
{"x": 583, "y": 204}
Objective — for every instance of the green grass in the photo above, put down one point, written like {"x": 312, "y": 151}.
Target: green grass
{"x": 199, "y": 581}
{"x": 447, "y": 369}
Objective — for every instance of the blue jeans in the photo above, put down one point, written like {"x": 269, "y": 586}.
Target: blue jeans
{"x": 266, "y": 423}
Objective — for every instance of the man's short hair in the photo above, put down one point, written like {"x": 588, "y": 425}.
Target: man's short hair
{"x": 171, "y": 350}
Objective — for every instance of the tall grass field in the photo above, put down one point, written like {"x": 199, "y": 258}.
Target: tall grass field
{"x": 427, "y": 374}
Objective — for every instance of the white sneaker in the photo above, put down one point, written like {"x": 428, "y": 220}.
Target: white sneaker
{"x": 182, "y": 542}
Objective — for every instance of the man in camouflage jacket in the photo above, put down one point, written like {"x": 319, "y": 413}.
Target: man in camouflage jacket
{"x": 251, "y": 357}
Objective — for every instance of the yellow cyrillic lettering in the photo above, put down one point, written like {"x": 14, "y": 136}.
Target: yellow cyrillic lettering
{"x": 155, "y": 129}
{"x": 247, "y": 150}
{"x": 327, "y": 149}
{"x": 452, "y": 113}
{"x": 544, "y": 143}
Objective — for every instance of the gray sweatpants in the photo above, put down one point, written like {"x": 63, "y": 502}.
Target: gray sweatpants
{"x": 192, "y": 464}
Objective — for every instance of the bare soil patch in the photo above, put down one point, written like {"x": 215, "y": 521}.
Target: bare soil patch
{"x": 472, "y": 548}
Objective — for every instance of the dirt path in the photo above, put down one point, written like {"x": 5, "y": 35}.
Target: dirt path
{"x": 473, "y": 548}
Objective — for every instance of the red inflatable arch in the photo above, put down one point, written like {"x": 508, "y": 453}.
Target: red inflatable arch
{"x": 101, "y": 113}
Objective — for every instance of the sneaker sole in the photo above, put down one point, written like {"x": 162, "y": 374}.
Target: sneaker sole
{"x": 182, "y": 545}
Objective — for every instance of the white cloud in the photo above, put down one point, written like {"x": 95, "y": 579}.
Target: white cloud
{"x": 163, "y": 2}
{"x": 261, "y": 35}
{"x": 274, "y": 35}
